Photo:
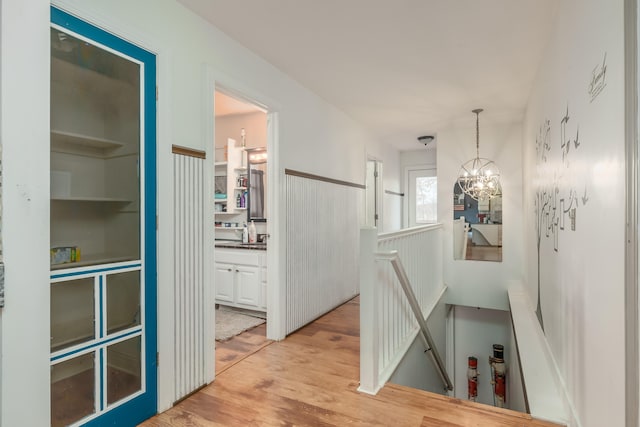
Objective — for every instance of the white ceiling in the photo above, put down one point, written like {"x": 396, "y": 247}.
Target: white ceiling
{"x": 225, "y": 105}
{"x": 401, "y": 68}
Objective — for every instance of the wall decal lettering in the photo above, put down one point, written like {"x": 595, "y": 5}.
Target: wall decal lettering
{"x": 598, "y": 79}
{"x": 543, "y": 140}
{"x": 556, "y": 197}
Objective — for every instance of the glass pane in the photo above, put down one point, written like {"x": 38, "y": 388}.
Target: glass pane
{"x": 72, "y": 313}
{"x": 95, "y": 147}
{"x": 426, "y": 199}
{"x": 123, "y": 301}
{"x": 72, "y": 390}
{"x": 123, "y": 369}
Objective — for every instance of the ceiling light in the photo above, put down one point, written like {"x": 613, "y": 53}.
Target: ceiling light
{"x": 480, "y": 177}
{"x": 425, "y": 139}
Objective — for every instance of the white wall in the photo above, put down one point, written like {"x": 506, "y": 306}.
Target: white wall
{"x": 581, "y": 271}
{"x": 255, "y": 125}
{"x": 416, "y": 369}
{"x": 24, "y": 133}
{"x": 314, "y": 137}
{"x": 482, "y": 283}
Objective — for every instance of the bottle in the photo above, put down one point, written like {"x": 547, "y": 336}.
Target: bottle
{"x": 238, "y": 201}
{"x": 252, "y": 233}
{"x": 242, "y": 200}
{"x": 245, "y": 233}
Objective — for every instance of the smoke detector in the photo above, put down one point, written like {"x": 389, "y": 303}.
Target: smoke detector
{"x": 426, "y": 139}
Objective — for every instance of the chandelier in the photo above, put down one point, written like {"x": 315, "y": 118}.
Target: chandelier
{"x": 479, "y": 177}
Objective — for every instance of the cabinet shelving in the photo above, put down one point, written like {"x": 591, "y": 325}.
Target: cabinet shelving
{"x": 95, "y": 167}
{"x": 93, "y": 259}
{"x": 82, "y": 144}
{"x": 90, "y": 199}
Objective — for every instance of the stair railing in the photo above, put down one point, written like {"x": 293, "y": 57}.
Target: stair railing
{"x": 430, "y": 345}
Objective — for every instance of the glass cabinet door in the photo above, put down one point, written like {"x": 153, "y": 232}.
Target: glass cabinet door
{"x": 103, "y": 343}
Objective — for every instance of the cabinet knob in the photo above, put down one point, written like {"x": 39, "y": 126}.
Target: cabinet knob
{"x": 229, "y": 269}
{"x": 237, "y": 271}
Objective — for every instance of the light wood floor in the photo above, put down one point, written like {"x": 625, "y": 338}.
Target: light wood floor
{"x": 234, "y": 350}
{"x": 311, "y": 379}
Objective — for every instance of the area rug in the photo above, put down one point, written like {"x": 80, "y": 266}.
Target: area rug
{"x": 231, "y": 323}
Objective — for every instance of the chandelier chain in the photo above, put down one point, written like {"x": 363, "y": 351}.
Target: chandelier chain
{"x": 477, "y": 133}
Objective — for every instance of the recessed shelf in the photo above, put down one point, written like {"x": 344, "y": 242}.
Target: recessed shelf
{"x": 220, "y": 164}
{"x": 88, "y": 145}
{"x": 90, "y": 199}
{"x": 226, "y": 213}
{"x": 96, "y": 259}
{"x": 221, "y": 200}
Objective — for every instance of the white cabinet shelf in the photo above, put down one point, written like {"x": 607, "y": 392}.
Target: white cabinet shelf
{"x": 86, "y": 145}
{"x": 90, "y": 199}
{"x": 96, "y": 173}
{"x": 95, "y": 259}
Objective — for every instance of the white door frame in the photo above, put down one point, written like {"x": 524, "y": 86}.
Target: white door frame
{"x": 632, "y": 308}
{"x": 276, "y": 261}
{"x": 405, "y": 204}
{"x": 378, "y": 193}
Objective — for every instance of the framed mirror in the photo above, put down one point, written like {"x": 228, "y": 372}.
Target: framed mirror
{"x": 257, "y": 174}
{"x": 477, "y": 227}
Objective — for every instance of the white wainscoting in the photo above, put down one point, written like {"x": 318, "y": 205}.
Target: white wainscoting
{"x": 322, "y": 248}
{"x": 189, "y": 276}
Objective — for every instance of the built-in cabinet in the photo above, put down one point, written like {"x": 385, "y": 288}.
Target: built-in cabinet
{"x": 102, "y": 217}
{"x": 231, "y": 194}
{"x": 241, "y": 278}
{"x": 95, "y": 133}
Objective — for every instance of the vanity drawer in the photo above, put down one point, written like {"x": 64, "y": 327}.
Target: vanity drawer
{"x": 240, "y": 256}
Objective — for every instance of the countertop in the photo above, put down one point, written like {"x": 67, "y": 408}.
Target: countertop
{"x": 232, "y": 244}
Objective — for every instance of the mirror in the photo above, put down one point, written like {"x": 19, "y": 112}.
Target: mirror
{"x": 257, "y": 160}
{"x": 477, "y": 227}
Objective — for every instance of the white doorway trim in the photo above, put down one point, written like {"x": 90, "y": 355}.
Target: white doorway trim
{"x": 215, "y": 80}
{"x": 632, "y": 303}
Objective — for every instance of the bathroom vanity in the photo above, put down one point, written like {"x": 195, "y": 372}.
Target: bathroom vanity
{"x": 241, "y": 275}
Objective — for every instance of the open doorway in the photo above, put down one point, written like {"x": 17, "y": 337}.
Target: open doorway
{"x": 241, "y": 214}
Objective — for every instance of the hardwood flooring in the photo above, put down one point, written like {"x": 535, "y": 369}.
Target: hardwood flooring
{"x": 311, "y": 379}
{"x": 234, "y": 350}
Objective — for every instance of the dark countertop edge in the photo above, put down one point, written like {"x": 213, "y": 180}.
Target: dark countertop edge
{"x": 237, "y": 245}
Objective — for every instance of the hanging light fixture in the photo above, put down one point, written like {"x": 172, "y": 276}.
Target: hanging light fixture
{"x": 479, "y": 177}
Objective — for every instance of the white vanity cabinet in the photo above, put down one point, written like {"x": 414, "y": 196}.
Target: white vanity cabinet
{"x": 240, "y": 278}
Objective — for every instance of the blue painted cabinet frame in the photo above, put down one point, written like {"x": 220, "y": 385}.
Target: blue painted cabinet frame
{"x": 144, "y": 405}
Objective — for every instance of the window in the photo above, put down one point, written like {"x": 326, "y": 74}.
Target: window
{"x": 426, "y": 199}
{"x": 422, "y": 196}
